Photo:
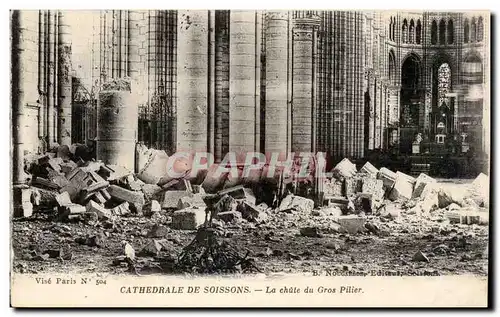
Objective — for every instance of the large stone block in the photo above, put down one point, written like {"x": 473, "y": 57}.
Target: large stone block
{"x": 369, "y": 169}
{"x": 135, "y": 199}
{"x": 352, "y": 224}
{"x": 388, "y": 177}
{"x": 403, "y": 187}
{"x": 345, "y": 168}
{"x": 188, "y": 219}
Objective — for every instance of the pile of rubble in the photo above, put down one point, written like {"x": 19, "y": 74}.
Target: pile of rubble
{"x": 374, "y": 192}
{"x": 77, "y": 189}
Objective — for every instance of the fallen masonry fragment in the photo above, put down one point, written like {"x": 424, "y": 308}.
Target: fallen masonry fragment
{"x": 135, "y": 199}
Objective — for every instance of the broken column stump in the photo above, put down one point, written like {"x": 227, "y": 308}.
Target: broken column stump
{"x": 117, "y": 120}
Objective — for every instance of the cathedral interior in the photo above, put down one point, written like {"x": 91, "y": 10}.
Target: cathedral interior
{"x": 356, "y": 84}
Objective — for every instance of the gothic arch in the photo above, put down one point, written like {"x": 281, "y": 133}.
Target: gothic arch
{"x": 472, "y": 55}
{"x": 416, "y": 60}
{"x": 437, "y": 61}
{"x": 474, "y": 58}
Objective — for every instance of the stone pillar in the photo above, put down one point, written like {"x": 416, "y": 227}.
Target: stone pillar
{"x": 18, "y": 65}
{"x": 371, "y": 114}
{"x": 50, "y": 80}
{"x": 242, "y": 81}
{"x": 19, "y": 29}
{"x": 221, "y": 84}
{"x": 134, "y": 59}
{"x": 192, "y": 80}
{"x": 427, "y": 110}
{"x": 117, "y": 120}
{"x": 303, "y": 80}
{"x": 378, "y": 113}
{"x": 276, "y": 82}
{"x": 64, "y": 80}
{"x": 211, "y": 82}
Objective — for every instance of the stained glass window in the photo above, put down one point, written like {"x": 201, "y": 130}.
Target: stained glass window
{"x": 444, "y": 83}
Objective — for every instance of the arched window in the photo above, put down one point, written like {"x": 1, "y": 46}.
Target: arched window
{"x": 442, "y": 32}
{"x": 434, "y": 31}
{"x": 480, "y": 29}
{"x": 404, "y": 30}
{"x": 412, "y": 32}
{"x": 473, "y": 30}
{"x": 450, "y": 32}
{"x": 418, "y": 32}
{"x": 444, "y": 83}
{"x": 466, "y": 31}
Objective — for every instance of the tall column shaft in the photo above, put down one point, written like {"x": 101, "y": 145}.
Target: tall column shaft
{"x": 302, "y": 87}
{"x": 192, "y": 80}
{"x": 134, "y": 59}
{"x": 221, "y": 84}
{"x": 19, "y": 133}
{"x": 211, "y": 83}
{"x": 64, "y": 81}
{"x": 276, "y": 82}
{"x": 50, "y": 79}
{"x": 242, "y": 79}
{"x": 371, "y": 114}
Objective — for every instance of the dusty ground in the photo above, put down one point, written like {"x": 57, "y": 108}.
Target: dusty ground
{"x": 276, "y": 245}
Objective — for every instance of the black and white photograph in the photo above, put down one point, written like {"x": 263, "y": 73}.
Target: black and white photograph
{"x": 243, "y": 143}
